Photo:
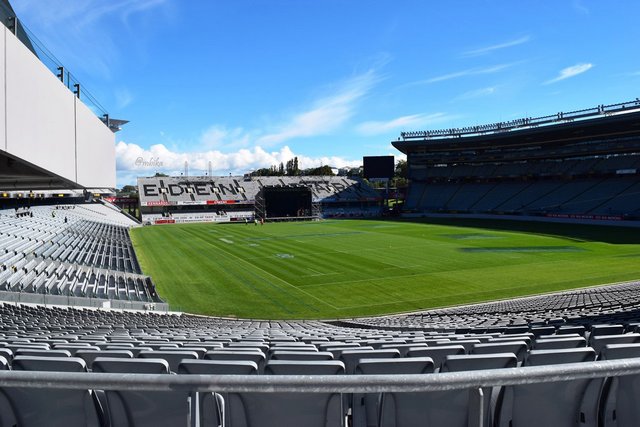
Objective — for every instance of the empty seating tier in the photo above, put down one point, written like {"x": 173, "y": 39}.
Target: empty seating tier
{"x": 78, "y": 250}
{"x": 63, "y": 339}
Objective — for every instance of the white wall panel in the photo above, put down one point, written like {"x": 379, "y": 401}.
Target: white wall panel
{"x": 46, "y": 124}
{"x": 40, "y": 112}
{"x": 96, "y": 151}
{"x": 3, "y": 139}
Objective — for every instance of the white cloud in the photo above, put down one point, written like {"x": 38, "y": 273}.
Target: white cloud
{"x": 489, "y": 49}
{"x": 401, "y": 123}
{"x": 123, "y": 98}
{"x": 220, "y": 137}
{"x": 326, "y": 115}
{"x": 238, "y": 150}
{"x": 133, "y": 160}
{"x": 465, "y": 73}
{"x": 571, "y": 71}
{"x": 476, "y": 93}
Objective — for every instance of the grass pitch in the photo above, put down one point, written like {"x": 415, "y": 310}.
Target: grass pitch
{"x": 346, "y": 268}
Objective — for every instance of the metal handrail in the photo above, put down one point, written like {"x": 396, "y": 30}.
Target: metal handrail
{"x": 322, "y": 383}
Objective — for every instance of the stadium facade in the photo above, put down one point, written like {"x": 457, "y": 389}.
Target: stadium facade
{"x": 581, "y": 165}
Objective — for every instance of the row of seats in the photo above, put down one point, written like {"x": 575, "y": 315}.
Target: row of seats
{"x": 261, "y": 351}
{"x": 594, "y": 196}
{"x": 594, "y": 165}
{"x": 533, "y": 331}
{"x": 578, "y": 402}
{"x": 603, "y": 304}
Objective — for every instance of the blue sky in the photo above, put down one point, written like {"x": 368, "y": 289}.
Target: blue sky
{"x": 246, "y": 84}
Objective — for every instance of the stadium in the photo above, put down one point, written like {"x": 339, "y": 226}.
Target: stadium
{"x": 501, "y": 290}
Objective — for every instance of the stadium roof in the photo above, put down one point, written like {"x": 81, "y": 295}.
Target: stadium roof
{"x": 618, "y": 120}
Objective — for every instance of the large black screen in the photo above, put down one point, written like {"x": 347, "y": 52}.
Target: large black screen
{"x": 378, "y": 166}
{"x": 283, "y": 202}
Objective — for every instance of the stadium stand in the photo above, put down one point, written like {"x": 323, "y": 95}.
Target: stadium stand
{"x": 606, "y": 304}
{"x": 74, "y": 250}
{"x": 582, "y": 164}
{"x": 231, "y": 199}
{"x": 574, "y": 329}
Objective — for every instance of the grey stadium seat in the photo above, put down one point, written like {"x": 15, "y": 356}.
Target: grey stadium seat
{"x": 447, "y": 408}
{"x": 210, "y": 405}
{"x": 90, "y": 355}
{"x": 437, "y": 354}
{"x": 600, "y": 341}
{"x": 620, "y": 394}
{"x": 519, "y": 348}
{"x": 559, "y": 343}
{"x": 173, "y": 357}
{"x": 565, "y": 403}
{"x": 301, "y": 355}
{"x": 212, "y": 409}
{"x": 291, "y": 409}
{"x": 367, "y": 407}
{"x": 46, "y": 406}
{"x": 605, "y": 329}
{"x": 143, "y": 408}
{"x": 255, "y": 356}
{"x": 42, "y": 353}
{"x": 350, "y": 358}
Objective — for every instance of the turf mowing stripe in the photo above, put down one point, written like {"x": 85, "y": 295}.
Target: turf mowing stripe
{"x": 246, "y": 283}
{"x": 269, "y": 274}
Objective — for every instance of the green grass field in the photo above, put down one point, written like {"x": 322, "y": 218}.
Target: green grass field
{"x": 347, "y": 268}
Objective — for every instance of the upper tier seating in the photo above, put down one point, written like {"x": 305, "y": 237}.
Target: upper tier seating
{"x": 581, "y": 186}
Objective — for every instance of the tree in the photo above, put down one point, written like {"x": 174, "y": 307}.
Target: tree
{"x": 355, "y": 172}
{"x": 400, "y": 176}
{"x": 401, "y": 169}
{"x": 292, "y": 167}
{"x": 322, "y": 170}
{"x": 261, "y": 172}
{"x": 129, "y": 189}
